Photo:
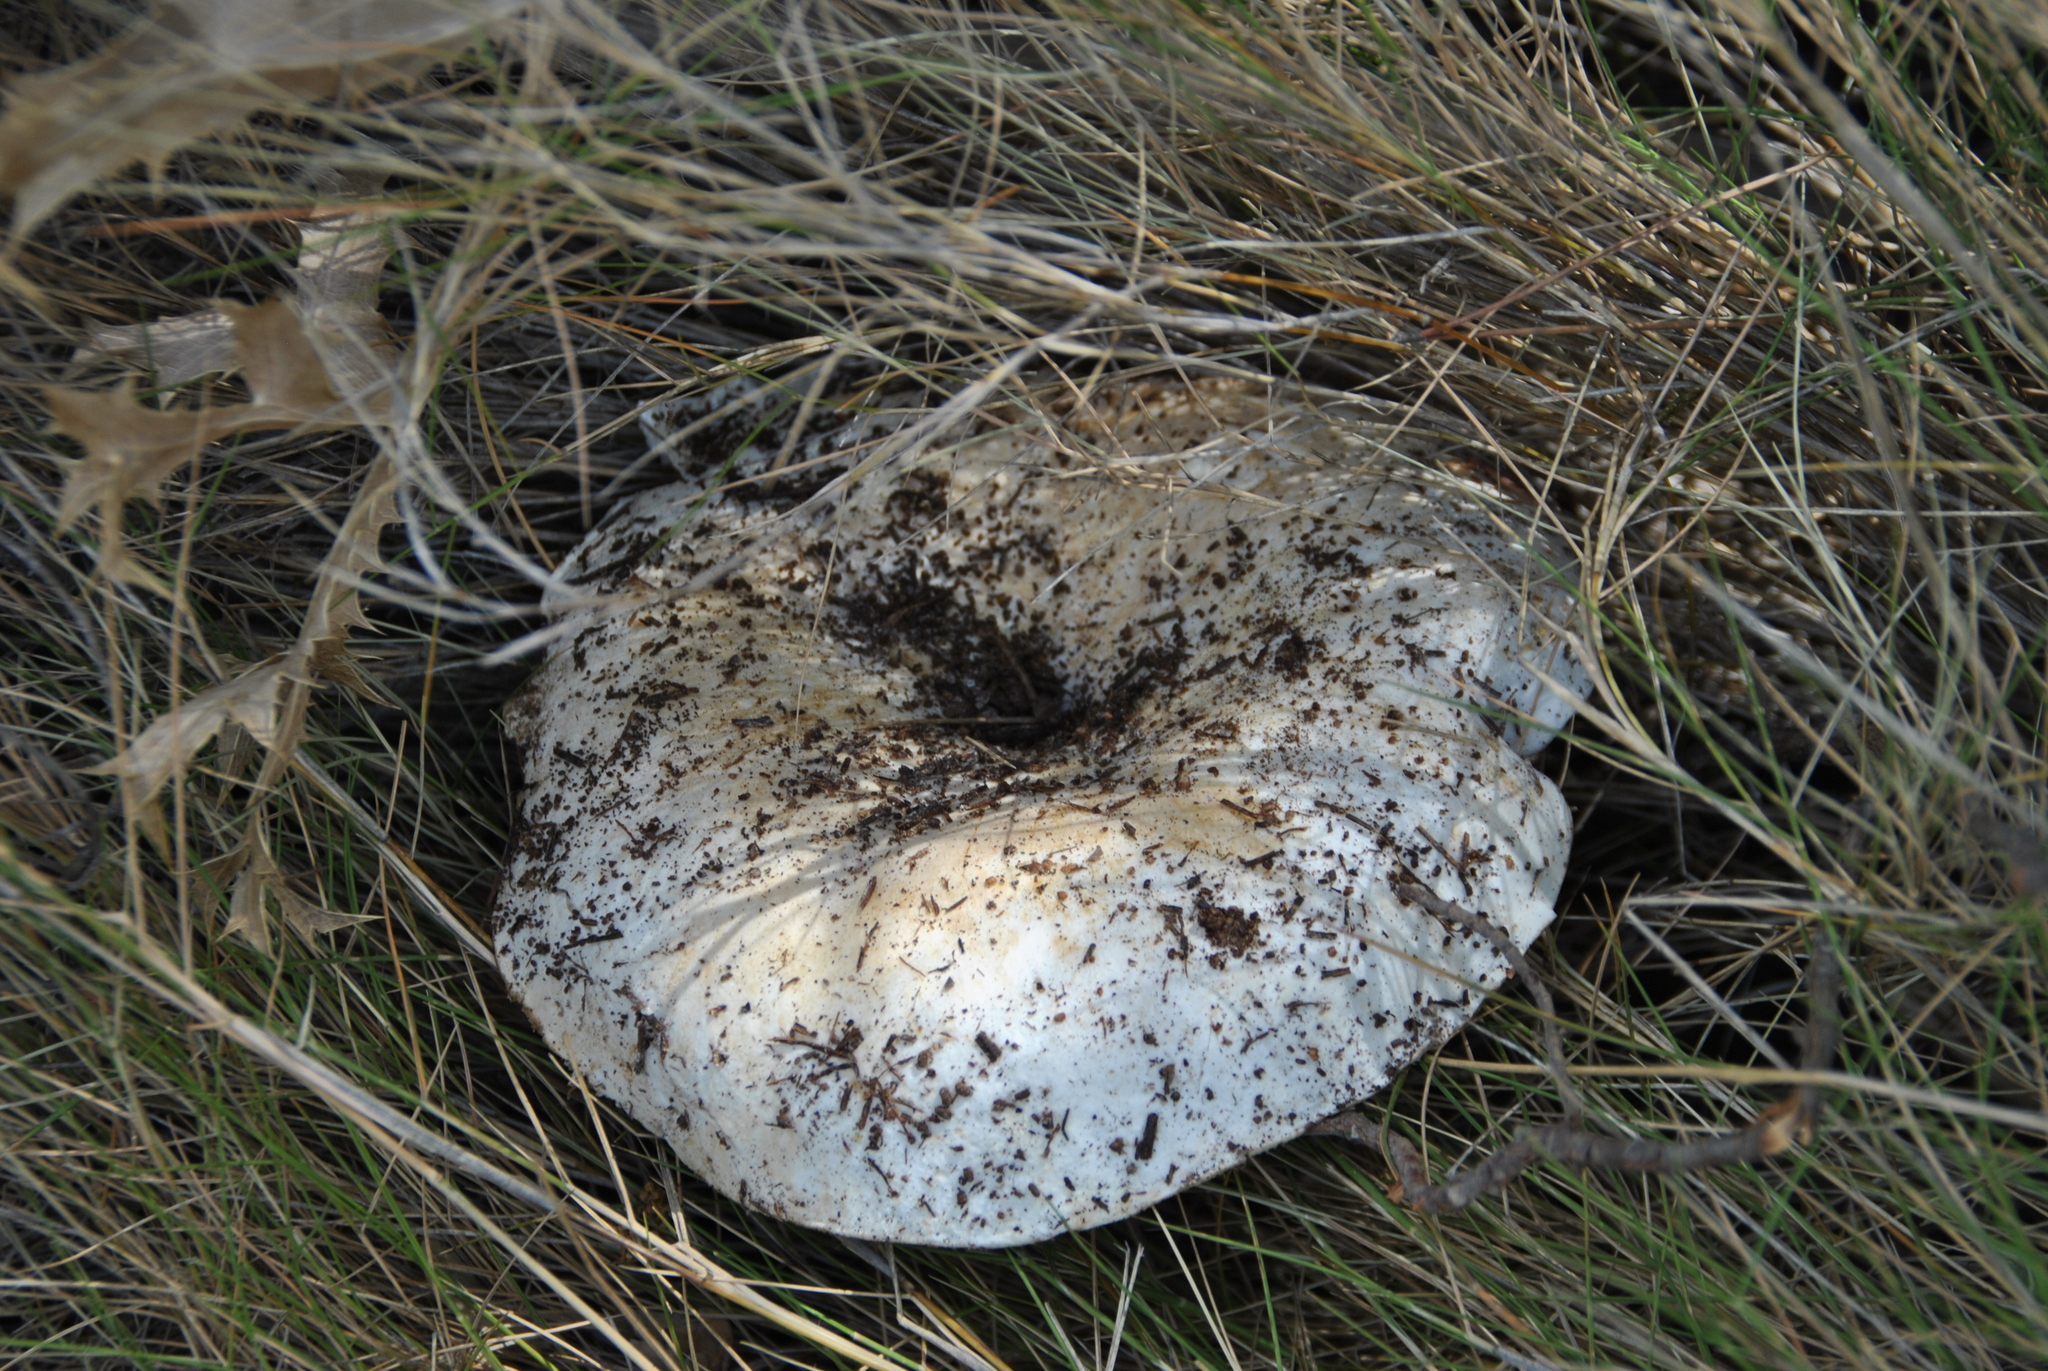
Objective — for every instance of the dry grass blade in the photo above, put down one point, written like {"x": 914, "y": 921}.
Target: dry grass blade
{"x": 1743, "y": 303}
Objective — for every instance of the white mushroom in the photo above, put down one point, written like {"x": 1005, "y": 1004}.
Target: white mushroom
{"x": 880, "y": 971}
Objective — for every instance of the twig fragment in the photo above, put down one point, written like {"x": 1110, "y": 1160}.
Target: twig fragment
{"x": 1786, "y": 1124}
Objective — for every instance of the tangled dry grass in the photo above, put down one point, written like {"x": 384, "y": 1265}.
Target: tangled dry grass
{"x": 1745, "y": 304}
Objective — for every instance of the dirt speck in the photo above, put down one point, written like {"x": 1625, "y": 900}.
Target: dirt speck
{"x": 1226, "y": 926}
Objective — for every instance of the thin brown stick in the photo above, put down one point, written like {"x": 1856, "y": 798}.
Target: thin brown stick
{"x": 1789, "y": 1122}
{"x": 1553, "y": 1041}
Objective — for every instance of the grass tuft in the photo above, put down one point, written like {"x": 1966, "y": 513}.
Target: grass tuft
{"x": 1744, "y": 303}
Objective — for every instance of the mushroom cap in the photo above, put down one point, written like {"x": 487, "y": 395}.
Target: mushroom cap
{"x": 978, "y": 984}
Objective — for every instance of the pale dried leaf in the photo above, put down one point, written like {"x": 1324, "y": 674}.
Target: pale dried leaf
{"x": 291, "y": 725}
{"x": 133, "y": 102}
{"x": 249, "y": 700}
{"x": 341, "y": 262}
{"x": 201, "y": 66}
{"x": 246, "y": 918}
{"x": 370, "y": 39}
{"x": 177, "y": 349}
{"x": 129, "y": 448}
{"x": 335, "y": 608}
{"x": 148, "y": 817}
{"x": 309, "y": 919}
{"x": 228, "y": 864}
{"x": 287, "y": 355}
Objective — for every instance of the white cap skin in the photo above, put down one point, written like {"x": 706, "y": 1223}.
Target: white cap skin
{"x": 975, "y": 985}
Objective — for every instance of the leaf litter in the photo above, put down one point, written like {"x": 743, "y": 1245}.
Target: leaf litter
{"x": 1797, "y": 1319}
{"x": 321, "y": 358}
{"x": 199, "y": 67}
{"x": 299, "y": 363}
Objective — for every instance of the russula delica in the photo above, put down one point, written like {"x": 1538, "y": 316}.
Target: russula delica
{"x": 913, "y": 902}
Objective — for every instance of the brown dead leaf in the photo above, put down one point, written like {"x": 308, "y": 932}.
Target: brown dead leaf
{"x": 258, "y": 883}
{"x": 341, "y": 263}
{"x": 136, "y": 101}
{"x": 247, "y": 917}
{"x": 197, "y": 67}
{"x": 313, "y": 361}
{"x": 263, "y": 704}
{"x": 129, "y": 449}
{"x": 250, "y": 701}
{"x": 224, "y": 868}
{"x": 288, "y": 384}
{"x": 336, "y": 608}
{"x": 238, "y": 749}
{"x": 309, "y": 919}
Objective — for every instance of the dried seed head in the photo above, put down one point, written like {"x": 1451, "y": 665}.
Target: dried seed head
{"x": 980, "y": 913}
